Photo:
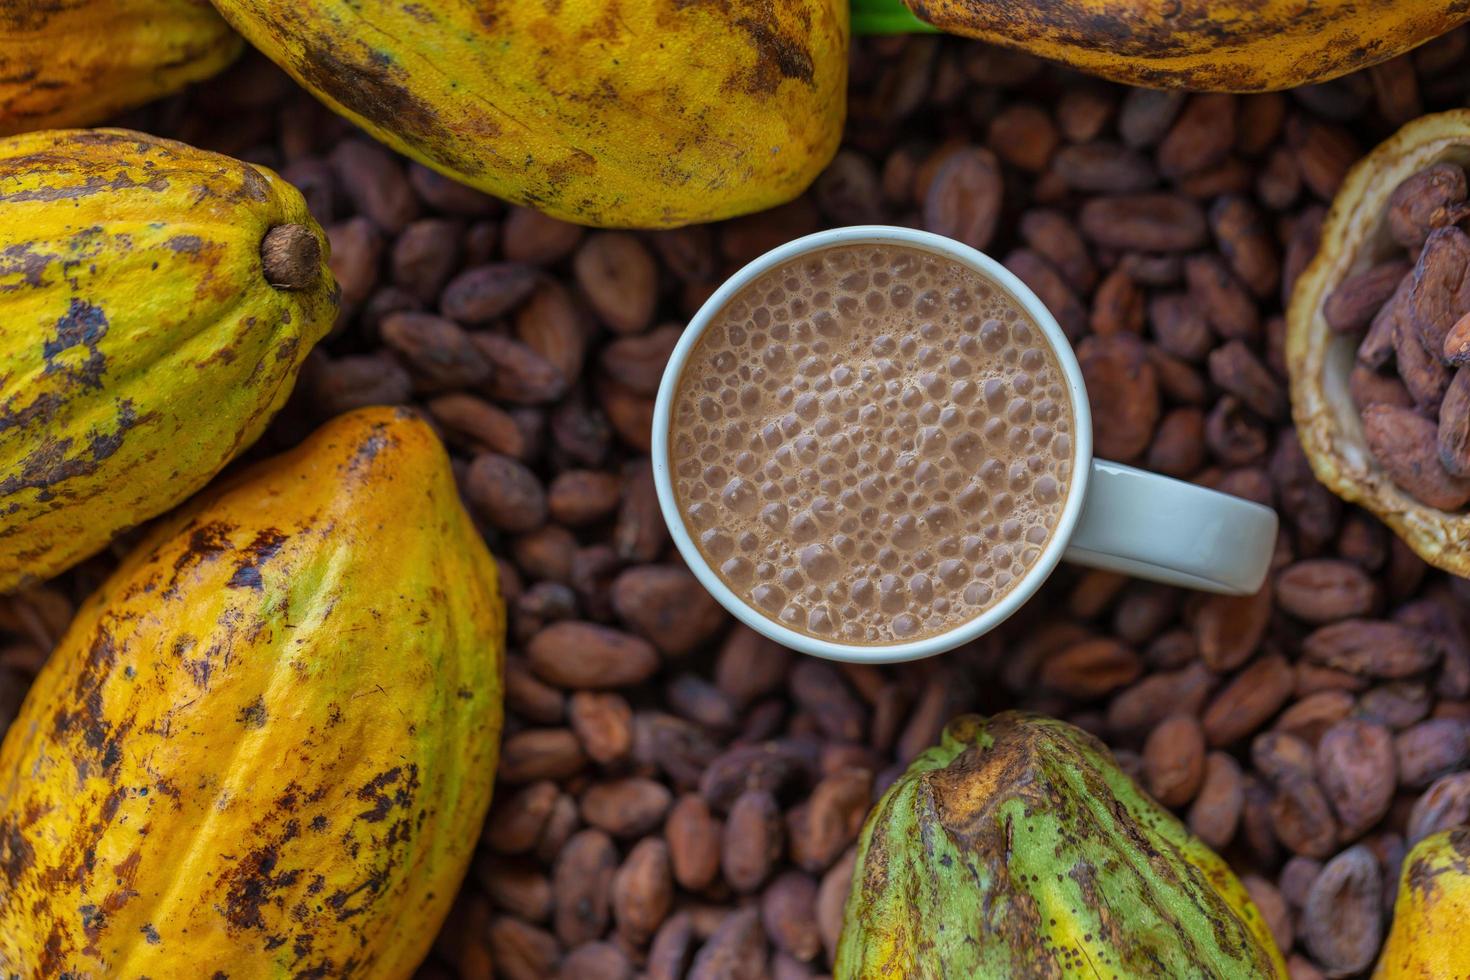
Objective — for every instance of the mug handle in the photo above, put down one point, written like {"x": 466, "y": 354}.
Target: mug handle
{"x": 1158, "y": 528}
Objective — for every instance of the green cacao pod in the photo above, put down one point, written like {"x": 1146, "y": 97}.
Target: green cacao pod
{"x": 1018, "y": 848}
{"x": 156, "y": 303}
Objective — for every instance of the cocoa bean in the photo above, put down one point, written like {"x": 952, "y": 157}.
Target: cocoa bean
{"x": 518, "y": 373}
{"x": 1226, "y": 305}
{"x": 546, "y": 553}
{"x": 1368, "y": 387}
{"x": 668, "y": 606}
{"x": 579, "y": 497}
{"x": 819, "y": 690}
{"x": 847, "y": 192}
{"x": 640, "y": 533}
{"x": 1272, "y": 907}
{"x": 1302, "y": 817}
{"x": 1456, "y": 349}
{"x": 549, "y": 324}
{"x": 1054, "y": 237}
{"x": 1355, "y": 767}
{"x": 1406, "y": 445}
{"x": 1309, "y": 717}
{"x": 1342, "y": 924}
{"x": 521, "y": 951}
{"x": 1228, "y": 629}
{"x": 1429, "y": 750}
{"x": 1124, "y": 393}
{"x": 642, "y": 891}
{"x": 1397, "y": 704}
{"x": 964, "y": 198}
{"x": 354, "y": 382}
{"x": 638, "y": 362}
{"x": 425, "y": 256}
{"x": 540, "y": 753}
{"x": 693, "y": 835}
{"x": 1049, "y": 286}
{"x": 1324, "y": 153}
{"x": 1370, "y": 648}
{"x": 1144, "y": 222}
{"x": 581, "y": 884}
{"x": 1104, "y": 168}
{"x": 478, "y": 426}
{"x": 1174, "y": 760}
{"x": 1248, "y": 701}
{"x": 1453, "y": 435}
{"x": 1179, "y": 327}
{"x": 516, "y": 821}
{"x": 603, "y": 723}
{"x": 376, "y": 184}
{"x": 1440, "y": 293}
{"x": 1325, "y": 590}
{"x": 484, "y": 293}
{"x": 515, "y": 886}
{"x": 831, "y": 898}
{"x": 1217, "y": 805}
{"x": 1444, "y": 805}
{"x": 1024, "y": 136}
{"x": 528, "y": 697}
{"x": 587, "y": 655}
{"x": 788, "y": 912}
{"x": 823, "y": 827}
{"x": 1352, "y": 305}
{"x": 1143, "y": 705}
{"x": 1146, "y": 115}
{"x": 1241, "y": 233}
{"x": 595, "y": 961}
{"x": 538, "y": 239}
{"x": 1200, "y": 137}
{"x": 768, "y": 767}
{"x": 1297, "y": 876}
{"x": 619, "y": 279}
{"x": 626, "y": 807}
{"x": 1091, "y": 669}
{"x": 753, "y": 840}
{"x": 736, "y": 950}
{"x": 1428, "y": 200}
{"x": 448, "y": 195}
{"x": 1118, "y": 304}
{"x": 1279, "y": 757}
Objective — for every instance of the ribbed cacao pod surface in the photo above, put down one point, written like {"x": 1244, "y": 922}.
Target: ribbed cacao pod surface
{"x": 265, "y": 746}
{"x": 603, "y": 113}
{"x": 1203, "y": 45}
{"x": 1018, "y": 848}
{"x": 76, "y": 62}
{"x": 1427, "y": 939}
{"x": 1355, "y": 238}
{"x": 156, "y": 304}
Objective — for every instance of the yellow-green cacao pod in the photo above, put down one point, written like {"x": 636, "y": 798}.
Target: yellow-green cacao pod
{"x": 1018, "y": 848}
{"x": 1427, "y": 940}
{"x": 76, "y": 62}
{"x": 651, "y": 113}
{"x": 156, "y": 303}
{"x": 265, "y": 746}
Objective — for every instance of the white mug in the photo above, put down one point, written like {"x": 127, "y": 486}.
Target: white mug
{"x": 1115, "y": 517}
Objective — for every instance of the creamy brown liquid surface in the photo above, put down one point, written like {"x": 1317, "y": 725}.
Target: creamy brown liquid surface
{"x": 871, "y": 444}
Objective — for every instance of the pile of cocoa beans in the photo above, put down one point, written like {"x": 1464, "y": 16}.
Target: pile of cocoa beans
{"x": 680, "y": 797}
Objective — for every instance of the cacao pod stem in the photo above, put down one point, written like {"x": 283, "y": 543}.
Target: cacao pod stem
{"x": 291, "y": 257}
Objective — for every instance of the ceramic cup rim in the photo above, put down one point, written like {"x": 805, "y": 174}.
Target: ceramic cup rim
{"x": 1051, "y": 554}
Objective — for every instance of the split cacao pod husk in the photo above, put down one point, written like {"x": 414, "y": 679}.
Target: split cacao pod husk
{"x": 1355, "y": 237}
{"x": 265, "y": 745}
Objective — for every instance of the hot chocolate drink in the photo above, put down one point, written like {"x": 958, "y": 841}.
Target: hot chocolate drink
{"x": 871, "y": 443}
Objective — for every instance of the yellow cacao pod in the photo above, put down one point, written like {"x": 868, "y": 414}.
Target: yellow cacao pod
{"x": 648, "y": 114}
{"x": 76, "y": 62}
{"x": 1210, "y": 45}
{"x": 265, "y": 746}
{"x": 1427, "y": 940}
{"x": 156, "y": 303}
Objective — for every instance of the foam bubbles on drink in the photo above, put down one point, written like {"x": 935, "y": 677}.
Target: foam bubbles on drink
{"x": 871, "y": 444}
